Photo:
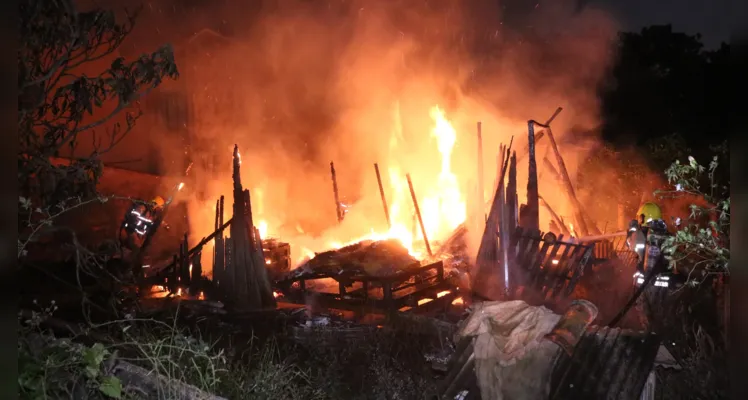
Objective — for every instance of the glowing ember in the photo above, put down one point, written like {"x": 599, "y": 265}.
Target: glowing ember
{"x": 277, "y": 294}
{"x": 442, "y": 294}
{"x": 424, "y": 301}
{"x": 458, "y": 301}
{"x": 179, "y": 292}
{"x": 554, "y": 262}
{"x": 158, "y": 291}
{"x": 181, "y": 185}
{"x": 201, "y": 296}
{"x": 190, "y": 269}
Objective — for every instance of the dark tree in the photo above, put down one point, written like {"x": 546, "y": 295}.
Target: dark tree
{"x": 72, "y": 87}
{"x": 60, "y": 102}
{"x": 663, "y": 84}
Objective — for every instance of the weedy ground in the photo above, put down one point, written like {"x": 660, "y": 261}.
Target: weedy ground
{"x": 374, "y": 365}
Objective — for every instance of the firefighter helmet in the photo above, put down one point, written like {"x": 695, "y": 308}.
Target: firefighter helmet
{"x": 648, "y": 212}
{"x": 158, "y": 201}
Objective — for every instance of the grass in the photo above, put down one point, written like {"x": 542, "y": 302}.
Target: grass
{"x": 374, "y": 365}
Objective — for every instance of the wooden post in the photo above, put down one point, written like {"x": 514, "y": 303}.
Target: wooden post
{"x": 251, "y": 287}
{"x": 381, "y": 194}
{"x": 219, "y": 249}
{"x": 579, "y": 214}
{"x": 418, "y": 214}
{"x": 196, "y": 273}
{"x": 228, "y": 283}
{"x": 511, "y": 194}
{"x": 559, "y": 222}
{"x": 481, "y": 190}
{"x": 253, "y": 242}
{"x": 539, "y": 135}
{"x": 485, "y": 279}
{"x": 174, "y": 278}
{"x": 184, "y": 272}
{"x": 503, "y": 234}
{"x": 532, "y": 221}
{"x": 338, "y": 212}
{"x": 553, "y": 171}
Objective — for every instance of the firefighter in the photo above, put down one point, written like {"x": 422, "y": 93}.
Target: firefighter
{"x": 141, "y": 221}
{"x": 645, "y": 237}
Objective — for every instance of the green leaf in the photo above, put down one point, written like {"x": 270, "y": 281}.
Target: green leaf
{"x": 93, "y": 357}
{"x": 111, "y": 386}
{"x": 91, "y": 372}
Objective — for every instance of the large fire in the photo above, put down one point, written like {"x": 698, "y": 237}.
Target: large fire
{"x": 441, "y": 202}
{"x": 359, "y": 85}
{"x": 442, "y": 205}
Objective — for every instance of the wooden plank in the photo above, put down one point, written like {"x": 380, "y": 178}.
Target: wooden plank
{"x": 579, "y": 271}
{"x": 531, "y": 219}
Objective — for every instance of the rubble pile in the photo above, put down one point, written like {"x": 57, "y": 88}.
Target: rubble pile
{"x": 372, "y": 258}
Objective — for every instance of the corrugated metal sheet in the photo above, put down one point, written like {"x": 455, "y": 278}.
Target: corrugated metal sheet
{"x": 606, "y": 364}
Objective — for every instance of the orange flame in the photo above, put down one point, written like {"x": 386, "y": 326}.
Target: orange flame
{"x": 442, "y": 207}
{"x": 262, "y": 226}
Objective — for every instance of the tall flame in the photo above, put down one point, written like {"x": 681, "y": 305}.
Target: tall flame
{"x": 441, "y": 201}
{"x": 442, "y": 206}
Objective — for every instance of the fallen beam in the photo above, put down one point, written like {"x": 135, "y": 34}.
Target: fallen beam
{"x": 418, "y": 215}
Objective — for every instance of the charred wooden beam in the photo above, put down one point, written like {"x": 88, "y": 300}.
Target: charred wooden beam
{"x": 556, "y": 218}
{"x": 173, "y": 278}
{"x": 184, "y": 262}
{"x": 552, "y": 170}
{"x": 381, "y": 194}
{"x": 253, "y": 242}
{"x": 251, "y": 286}
{"x": 503, "y": 234}
{"x": 539, "y": 135}
{"x": 481, "y": 192}
{"x": 512, "y": 201}
{"x": 418, "y": 215}
{"x": 219, "y": 255}
{"x": 532, "y": 215}
{"x": 488, "y": 252}
{"x": 338, "y": 211}
{"x": 199, "y": 245}
{"x": 196, "y": 272}
{"x": 579, "y": 215}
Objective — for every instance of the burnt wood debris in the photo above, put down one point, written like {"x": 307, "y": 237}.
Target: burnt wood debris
{"x": 516, "y": 261}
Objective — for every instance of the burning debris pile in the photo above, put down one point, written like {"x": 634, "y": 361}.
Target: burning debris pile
{"x": 373, "y": 258}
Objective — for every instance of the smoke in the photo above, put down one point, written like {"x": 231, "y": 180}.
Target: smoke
{"x": 299, "y": 84}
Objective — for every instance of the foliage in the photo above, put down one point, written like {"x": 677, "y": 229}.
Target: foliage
{"x": 703, "y": 242}
{"x": 374, "y": 365}
{"x": 662, "y": 150}
{"x": 60, "y": 103}
{"x": 52, "y": 367}
{"x": 664, "y": 83}
{"x": 57, "y": 369}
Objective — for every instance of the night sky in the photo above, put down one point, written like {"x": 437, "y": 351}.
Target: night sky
{"x": 712, "y": 18}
